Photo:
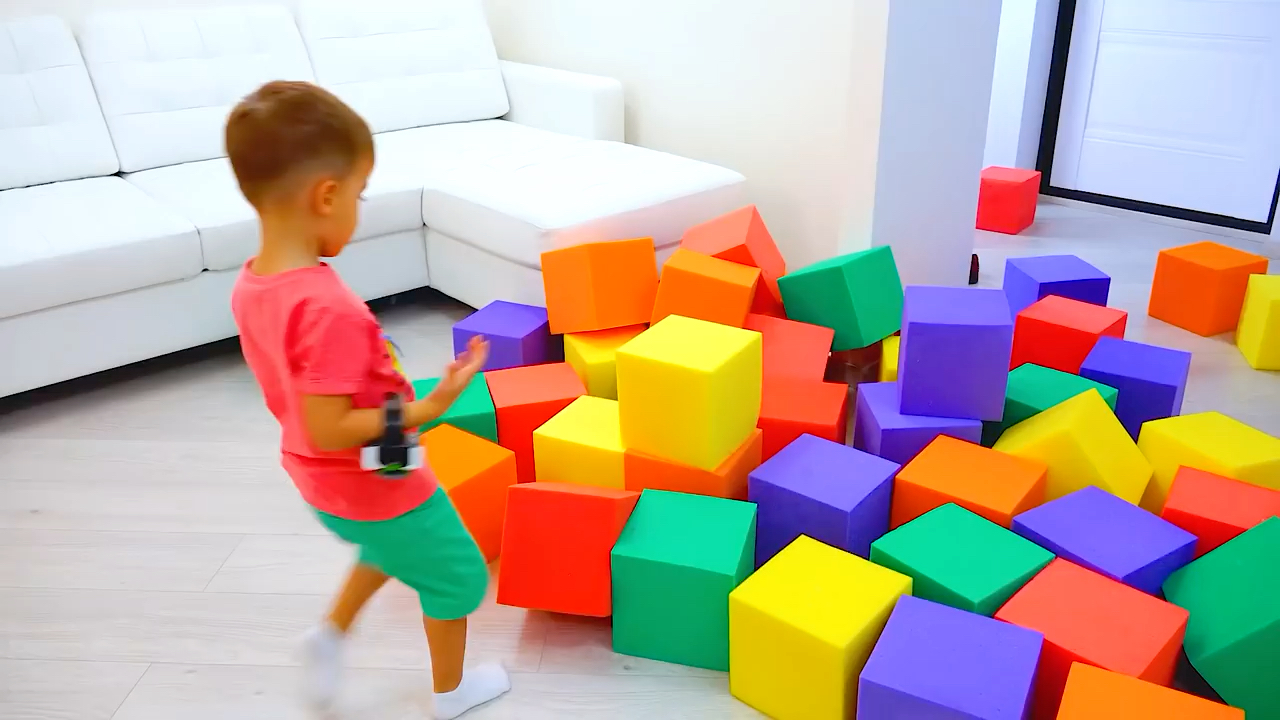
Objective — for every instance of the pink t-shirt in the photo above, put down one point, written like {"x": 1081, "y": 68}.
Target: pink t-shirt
{"x": 304, "y": 332}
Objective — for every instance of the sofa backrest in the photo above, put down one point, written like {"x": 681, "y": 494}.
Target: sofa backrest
{"x": 168, "y": 78}
{"x": 50, "y": 126}
{"x": 405, "y": 64}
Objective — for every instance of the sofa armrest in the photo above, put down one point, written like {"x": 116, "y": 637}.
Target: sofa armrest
{"x": 585, "y": 106}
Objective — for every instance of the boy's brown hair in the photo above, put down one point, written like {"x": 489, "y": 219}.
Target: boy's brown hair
{"x": 284, "y": 128}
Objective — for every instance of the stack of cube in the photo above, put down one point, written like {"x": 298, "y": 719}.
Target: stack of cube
{"x": 1022, "y": 525}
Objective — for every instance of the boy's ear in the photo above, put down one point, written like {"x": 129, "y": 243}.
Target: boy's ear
{"x": 323, "y": 196}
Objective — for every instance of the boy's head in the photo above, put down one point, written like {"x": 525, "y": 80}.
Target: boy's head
{"x": 301, "y": 157}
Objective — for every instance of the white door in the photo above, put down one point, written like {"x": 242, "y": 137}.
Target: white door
{"x": 1174, "y": 102}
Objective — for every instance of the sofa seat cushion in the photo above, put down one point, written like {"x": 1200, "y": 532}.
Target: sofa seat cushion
{"x": 206, "y": 194}
{"x": 84, "y": 239}
{"x": 518, "y": 192}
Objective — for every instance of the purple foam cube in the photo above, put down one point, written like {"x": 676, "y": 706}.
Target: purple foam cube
{"x": 880, "y": 429}
{"x": 1150, "y": 379}
{"x": 1095, "y": 529}
{"x": 1027, "y": 279}
{"x": 953, "y": 360}
{"x": 828, "y": 491}
{"x": 517, "y": 334}
{"x": 934, "y": 662}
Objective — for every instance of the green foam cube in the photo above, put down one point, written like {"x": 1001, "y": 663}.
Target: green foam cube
{"x": 473, "y": 410}
{"x": 957, "y": 558}
{"x": 1233, "y": 636}
{"x": 858, "y": 295}
{"x": 1034, "y": 389}
{"x": 674, "y": 566}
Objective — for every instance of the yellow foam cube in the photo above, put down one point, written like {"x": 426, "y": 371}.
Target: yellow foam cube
{"x": 889, "y": 359}
{"x": 593, "y": 354}
{"x": 689, "y": 390}
{"x": 1208, "y": 441}
{"x": 802, "y": 627}
{"x": 1258, "y": 335}
{"x": 1083, "y": 444}
{"x": 581, "y": 444}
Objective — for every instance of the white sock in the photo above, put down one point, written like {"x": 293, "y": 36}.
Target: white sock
{"x": 479, "y": 685}
{"x": 322, "y": 664}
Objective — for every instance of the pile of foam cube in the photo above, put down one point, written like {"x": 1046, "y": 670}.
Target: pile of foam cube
{"x": 1023, "y": 524}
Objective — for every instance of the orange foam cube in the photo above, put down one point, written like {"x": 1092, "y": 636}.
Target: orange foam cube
{"x": 1096, "y": 694}
{"x": 556, "y": 547}
{"x": 1059, "y": 333}
{"x": 526, "y": 397}
{"x": 1216, "y": 508}
{"x": 790, "y": 408}
{"x": 646, "y": 472}
{"x": 1200, "y": 287}
{"x": 601, "y": 285}
{"x": 741, "y": 237}
{"x": 988, "y": 482}
{"x": 705, "y": 288}
{"x": 1086, "y": 617}
{"x": 792, "y": 349}
{"x": 476, "y": 474}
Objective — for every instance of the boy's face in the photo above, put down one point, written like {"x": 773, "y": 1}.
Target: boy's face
{"x": 336, "y": 203}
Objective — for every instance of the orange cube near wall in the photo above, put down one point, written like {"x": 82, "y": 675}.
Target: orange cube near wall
{"x": 476, "y": 474}
{"x": 792, "y": 349}
{"x": 705, "y": 288}
{"x": 1007, "y": 199}
{"x": 1058, "y": 332}
{"x": 556, "y": 547}
{"x": 526, "y": 397}
{"x": 601, "y": 285}
{"x": 1200, "y": 287}
{"x": 741, "y": 237}
{"x": 790, "y": 408}
{"x": 646, "y": 472}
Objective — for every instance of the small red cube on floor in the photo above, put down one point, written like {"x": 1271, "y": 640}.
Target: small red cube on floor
{"x": 1215, "y": 508}
{"x": 790, "y": 408}
{"x": 1007, "y": 199}
{"x": 1059, "y": 333}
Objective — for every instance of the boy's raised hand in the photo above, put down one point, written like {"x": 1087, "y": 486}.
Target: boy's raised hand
{"x": 464, "y": 367}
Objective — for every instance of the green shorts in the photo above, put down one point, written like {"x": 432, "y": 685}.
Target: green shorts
{"x": 428, "y": 549}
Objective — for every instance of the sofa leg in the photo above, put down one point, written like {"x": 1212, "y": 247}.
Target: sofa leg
{"x": 973, "y": 269}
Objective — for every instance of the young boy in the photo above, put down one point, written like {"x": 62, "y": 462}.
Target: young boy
{"x": 302, "y": 159}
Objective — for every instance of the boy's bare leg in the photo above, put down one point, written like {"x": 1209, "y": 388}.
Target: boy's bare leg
{"x": 322, "y": 647}
{"x": 456, "y": 691}
{"x": 362, "y": 583}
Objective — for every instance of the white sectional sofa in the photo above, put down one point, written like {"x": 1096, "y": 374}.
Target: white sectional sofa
{"x": 121, "y": 227}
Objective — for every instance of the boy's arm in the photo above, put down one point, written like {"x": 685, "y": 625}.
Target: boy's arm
{"x": 333, "y": 424}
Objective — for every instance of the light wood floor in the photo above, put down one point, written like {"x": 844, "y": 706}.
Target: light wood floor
{"x": 156, "y": 564}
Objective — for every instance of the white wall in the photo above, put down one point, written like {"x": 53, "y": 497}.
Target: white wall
{"x": 759, "y": 86}
{"x": 1020, "y": 82}
{"x": 791, "y": 95}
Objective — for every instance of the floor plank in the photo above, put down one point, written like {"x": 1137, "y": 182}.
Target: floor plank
{"x": 238, "y": 629}
{"x": 284, "y": 564}
{"x": 60, "y": 690}
{"x": 268, "y": 693}
{"x": 111, "y": 560}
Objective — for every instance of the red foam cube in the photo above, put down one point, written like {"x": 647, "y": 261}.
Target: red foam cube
{"x": 741, "y": 237}
{"x": 790, "y": 408}
{"x": 1088, "y": 618}
{"x": 1216, "y": 508}
{"x": 556, "y": 547}
{"x": 792, "y": 349}
{"x": 1059, "y": 332}
{"x": 526, "y": 397}
{"x": 1007, "y": 199}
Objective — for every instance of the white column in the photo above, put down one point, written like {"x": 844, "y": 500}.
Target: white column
{"x": 918, "y": 106}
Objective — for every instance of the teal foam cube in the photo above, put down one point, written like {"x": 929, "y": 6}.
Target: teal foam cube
{"x": 858, "y": 295}
{"x": 674, "y": 566}
{"x": 473, "y": 411}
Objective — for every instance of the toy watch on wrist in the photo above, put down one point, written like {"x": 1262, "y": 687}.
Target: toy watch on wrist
{"x": 397, "y": 452}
